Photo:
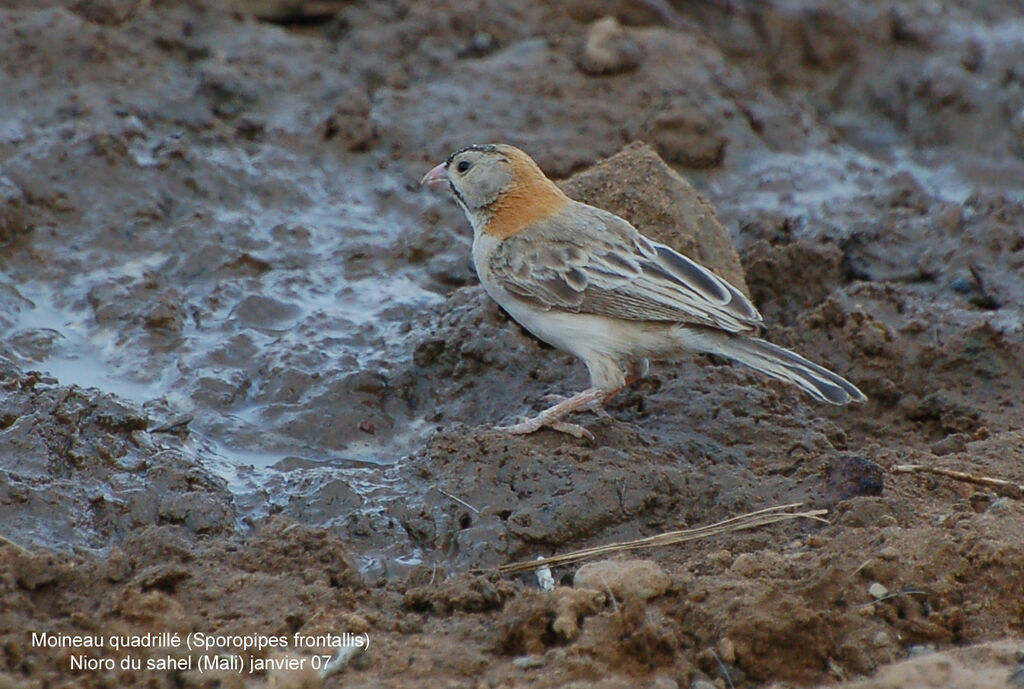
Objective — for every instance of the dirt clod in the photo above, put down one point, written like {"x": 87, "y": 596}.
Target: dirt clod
{"x": 607, "y": 49}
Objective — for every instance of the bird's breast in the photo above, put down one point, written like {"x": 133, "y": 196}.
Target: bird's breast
{"x": 522, "y": 206}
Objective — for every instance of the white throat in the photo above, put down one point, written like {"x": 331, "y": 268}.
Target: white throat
{"x": 477, "y": 219}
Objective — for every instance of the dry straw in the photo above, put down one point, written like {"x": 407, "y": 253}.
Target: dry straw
{"x": 1009, "y": 488}
{"x": 751, "y": 520}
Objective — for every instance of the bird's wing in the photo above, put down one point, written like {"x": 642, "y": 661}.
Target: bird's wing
{"x": 591, "y": 261}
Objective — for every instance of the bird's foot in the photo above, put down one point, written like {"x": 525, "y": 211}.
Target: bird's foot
{"x": 552, "y": 416}
{"x": 532, "y": 425}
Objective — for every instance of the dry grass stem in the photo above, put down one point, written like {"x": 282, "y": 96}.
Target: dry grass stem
{"x": 17, "y": 546}
{"x": 1010, "y": 488}
{"x": 751, "y": 520}
{"x": 456, "y": 499}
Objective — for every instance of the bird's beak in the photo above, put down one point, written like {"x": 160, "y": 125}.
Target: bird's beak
{"x": 438, "y": 175}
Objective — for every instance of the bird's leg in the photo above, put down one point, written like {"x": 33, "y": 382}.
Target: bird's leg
{"x": 637, "y": 370}
{"x": 552, "y": 416}
{"x": 554, "y": 398}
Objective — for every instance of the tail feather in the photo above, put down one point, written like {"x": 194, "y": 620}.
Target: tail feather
{"x": 788, "y": 366}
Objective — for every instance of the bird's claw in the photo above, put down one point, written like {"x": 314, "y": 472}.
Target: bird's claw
{"x": 534, "y": 424}
{"x": 573, "y": 429}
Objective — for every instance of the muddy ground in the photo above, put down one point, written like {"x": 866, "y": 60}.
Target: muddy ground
{"x": 248, "y": 381}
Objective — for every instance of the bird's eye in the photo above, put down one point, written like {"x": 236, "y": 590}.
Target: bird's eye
{"x": 463, "y": 165}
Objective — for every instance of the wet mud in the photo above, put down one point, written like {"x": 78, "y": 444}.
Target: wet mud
{"x": 249, "y": 381}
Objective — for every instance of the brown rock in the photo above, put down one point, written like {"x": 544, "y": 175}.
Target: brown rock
{"x": 636, "y": 184}
{"x": 641, "y": 579}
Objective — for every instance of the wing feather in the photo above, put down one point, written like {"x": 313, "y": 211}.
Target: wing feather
{"x": 601, "y": 265}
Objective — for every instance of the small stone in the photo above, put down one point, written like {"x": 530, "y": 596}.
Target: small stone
{"x": 663, "y": 682}
{"x": 641, "y": 579}
{"x": 702, "y": 684}
{"x": 850, "y": 476}
{"x": 889, "y": 553}
{"x": 749, "y": 565}
{"x": 117, "y": 566}
{"x": 608, "y": 49}
{"x": 720, "y": 559}
{"x": 952, "y": 443}
{"x": 877, "y": 591}
{"x": 528, "y": 662}
{"x": 545, "y": 579}
{"x": 727, "y": 651}
{"x": 881, "y": 639}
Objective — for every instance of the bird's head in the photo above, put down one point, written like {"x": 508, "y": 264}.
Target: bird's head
{"x": 488, "y": 180}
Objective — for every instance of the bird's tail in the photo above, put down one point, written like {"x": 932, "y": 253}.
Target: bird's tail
{"x": 784, "y": 365}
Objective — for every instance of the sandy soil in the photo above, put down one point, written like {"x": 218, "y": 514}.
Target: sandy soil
{"x": 248, "y": 381}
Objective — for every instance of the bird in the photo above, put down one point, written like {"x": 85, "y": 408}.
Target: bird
{"x": 586, "y": 281}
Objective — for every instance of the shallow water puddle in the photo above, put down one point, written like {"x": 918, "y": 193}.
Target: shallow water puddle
{"x": 58, "y": 341}
{"x": 279, "y": 285}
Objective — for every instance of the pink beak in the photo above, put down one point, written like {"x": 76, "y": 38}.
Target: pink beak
{"x": 438, "y": 175}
